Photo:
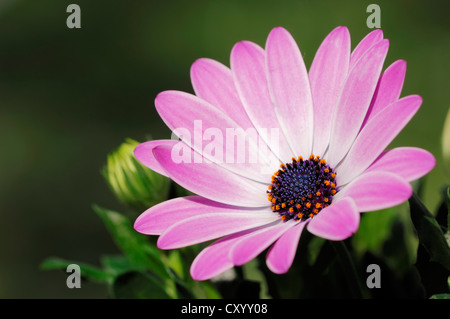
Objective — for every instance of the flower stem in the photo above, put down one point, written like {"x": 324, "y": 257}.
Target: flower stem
{"x": 345, "y": 260}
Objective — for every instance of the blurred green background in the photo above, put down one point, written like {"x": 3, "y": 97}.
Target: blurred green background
{"x": 70, "y": 96}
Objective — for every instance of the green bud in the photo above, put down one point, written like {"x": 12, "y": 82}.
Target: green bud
{"x": 133, "y": 183}
{"x": 446, "y": 142}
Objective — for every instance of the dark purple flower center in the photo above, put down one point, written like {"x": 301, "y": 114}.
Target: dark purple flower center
{"x": 301, "y": 189}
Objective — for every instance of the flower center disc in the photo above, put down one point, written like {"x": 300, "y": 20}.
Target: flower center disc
{"x": 301, "y": 189}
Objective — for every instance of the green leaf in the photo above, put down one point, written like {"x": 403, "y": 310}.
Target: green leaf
{"x": 429, "y": 233}
{"x": 175, "y": 262}
{"x": 135, "y": 285}
{"x": 87, "y": 271}
{"x": 440, "y": 296}
{"x": 374, "y": 230}
{"x": 133, "y": 244}
{"x": 209, "y": 291}
{"x": 118, "y": 265}
{"x": 348, "y": 269}
{"x": 395, "y": 250}
{"x": 314, "y": 247}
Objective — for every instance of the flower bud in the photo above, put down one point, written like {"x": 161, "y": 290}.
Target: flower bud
{"x": 131, "y": 182}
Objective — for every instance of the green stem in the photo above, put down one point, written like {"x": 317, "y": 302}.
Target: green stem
{"x": 345, "y": 260}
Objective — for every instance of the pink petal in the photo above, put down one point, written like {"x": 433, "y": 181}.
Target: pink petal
{"x": 249, "y": 73}
{"x": 355, "y": 100}
{"x": 158, "y": 218}
{"x": 213, "y": 82}
{"x": 252, "y": 245}
{"x": 338, "y": 221}
{"x": 212, "y": 181}
{"x": 369, "y": 40}
{"x": 388, "y": 89}
{"x": 204, "y": 125}
{"x": 144, "y": 154}
{"x": 201, "y": 228}
{"x": 281, "y": 255}
{"x": 376, "y": 190}
{"x": 327, "y": 76}
{"x": 290, "y": 90}
{"x": 410, "y": 163}
{"x": 213, "y": 260}
{"x": 376, "y": 136}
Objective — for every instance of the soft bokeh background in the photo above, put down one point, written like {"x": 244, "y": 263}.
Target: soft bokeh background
{"x": 70, "y": 96}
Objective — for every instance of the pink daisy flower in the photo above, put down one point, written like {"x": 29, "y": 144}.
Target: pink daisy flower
{"x": 327, "y": 166}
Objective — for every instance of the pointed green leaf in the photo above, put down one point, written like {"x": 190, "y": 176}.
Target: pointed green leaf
{"x": 118, "y": 265}
{"x": 87, "y": 271}
{"x": 429, "y": 232}
{"x": 348, "y": 269}
{"x": 133, "y": 244}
